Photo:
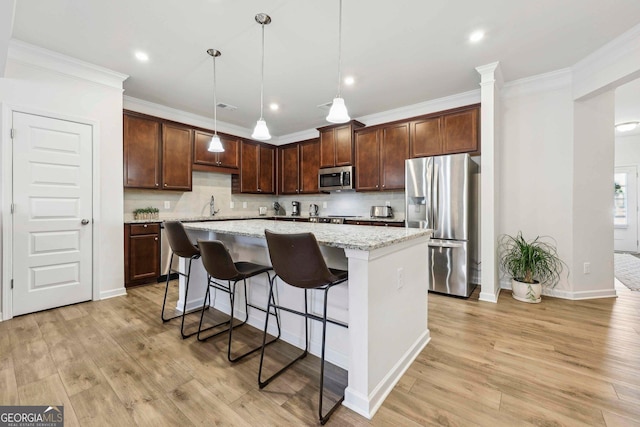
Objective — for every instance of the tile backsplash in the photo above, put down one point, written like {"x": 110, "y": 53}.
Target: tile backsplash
{"x": 207, "y": 184}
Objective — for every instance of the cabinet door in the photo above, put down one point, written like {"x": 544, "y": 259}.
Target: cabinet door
{"x": 327, "y": 149}
{"x": 426, "y": 137}
{"x": 144, "y": 257}
{"x": 344, "y": 145}
{"x": 266, "y": 170}
{"x": 289, "y": 170}
{"x": 394, "y": 149}
{"x": 230, "y": 158}
{"x": 367, "y": 168}
{"x": 176, "y": 157}
{"x": 249, "y": 155}
{"x": 141, "y": 141}
{"x": 460, "y": 132}
{"x": 309, "y": 166}
{"x": 201, "y": 153}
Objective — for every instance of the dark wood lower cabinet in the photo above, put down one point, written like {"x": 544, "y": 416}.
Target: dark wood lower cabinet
{"x": 141, "y": 253}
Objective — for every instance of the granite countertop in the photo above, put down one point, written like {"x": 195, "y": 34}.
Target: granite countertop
{"x": 243, "y": 217}
{"x": 335, "y": 235}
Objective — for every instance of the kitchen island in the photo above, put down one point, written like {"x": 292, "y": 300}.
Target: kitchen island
{"x": 384, "y": 301}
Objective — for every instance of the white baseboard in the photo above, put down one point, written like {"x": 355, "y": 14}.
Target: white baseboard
{"x": 113, "y": 293}
{"x": 573, "y": 295}
{"x": 489, "y": 296}
{"x": 367, "y": 406}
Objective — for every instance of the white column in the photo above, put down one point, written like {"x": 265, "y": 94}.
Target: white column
{"x": 490, "y": 84}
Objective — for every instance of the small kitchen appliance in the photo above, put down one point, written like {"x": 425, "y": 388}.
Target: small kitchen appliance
{"x": 313, "y": 209}
{"x": 381, "y": 212}
{"x": 295, "y": 210}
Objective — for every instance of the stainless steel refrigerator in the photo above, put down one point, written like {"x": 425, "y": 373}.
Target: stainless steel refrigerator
{"x": 441, "y": 194}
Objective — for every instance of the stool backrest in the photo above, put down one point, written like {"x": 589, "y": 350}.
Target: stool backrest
{"x": 297, "y": 259}
{"x": 179, "y": 240}
{"x": 217, "y": 260}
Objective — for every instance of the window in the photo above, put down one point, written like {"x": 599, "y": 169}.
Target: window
{"x": 620, "y": 214}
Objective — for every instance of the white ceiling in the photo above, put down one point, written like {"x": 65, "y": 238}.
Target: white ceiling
{"x": 401, "y": 52}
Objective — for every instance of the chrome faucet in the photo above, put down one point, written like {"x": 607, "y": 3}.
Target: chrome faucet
{"x": 212, "y": 209}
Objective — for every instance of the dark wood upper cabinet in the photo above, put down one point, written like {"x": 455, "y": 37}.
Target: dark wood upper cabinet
{"x": 448, "y": 132}
{"x": 226, "y": 162}
{"x": 289, "y": 169}
{"x": 426, "y": 137}
{"x": 460, "y": 131}
{"x": 367, "y": 164}
{"x": 177, "y": 146}
{"x": 141, "y": 152}
{"x": 380, "y": 156}
{"x": 394, "y": 150}
{"x": 336, "y": 144}
{"x": 298, "y": 166}
{"x": 309, "y": 166}
{"x": 267, "y": 168}
{"x": 257, "y": 169}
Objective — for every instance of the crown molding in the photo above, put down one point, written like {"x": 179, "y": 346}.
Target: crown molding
{"x": 39, "y": 57}
{"x": 615, "y": 63}
{"x": 491, "y": 73}
{"x": 162, "y": 111}
{"x": 539, "y": 83}
{"x": 298, "y": 136}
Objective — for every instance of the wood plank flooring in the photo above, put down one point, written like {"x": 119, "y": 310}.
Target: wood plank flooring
{"x": 113, "y": 362}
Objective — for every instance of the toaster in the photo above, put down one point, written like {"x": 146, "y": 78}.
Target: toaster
{"x": 381, "y": 212}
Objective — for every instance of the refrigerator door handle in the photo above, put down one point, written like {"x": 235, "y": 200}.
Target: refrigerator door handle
{"x": 429, "y": 203}
{"x": 442, "y": 244}
{"x": 434, "y": 199}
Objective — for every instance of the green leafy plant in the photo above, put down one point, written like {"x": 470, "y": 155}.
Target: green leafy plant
{"x": 534, "y": 261}
{"x": 145, "y": 213}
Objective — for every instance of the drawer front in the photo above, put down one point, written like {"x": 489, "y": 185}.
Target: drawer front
{"x": 137, "y": 229}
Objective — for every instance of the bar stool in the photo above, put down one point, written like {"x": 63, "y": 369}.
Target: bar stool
{"x": 220, "y": 266}
{"x": 183, "y": 248}
{"x": 297, "y": 260}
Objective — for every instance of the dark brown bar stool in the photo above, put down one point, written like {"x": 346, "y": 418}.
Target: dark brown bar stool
{"x": 182, "y": 247}
{"x": 219, "y": 266}
{"x": 297, "y": 260}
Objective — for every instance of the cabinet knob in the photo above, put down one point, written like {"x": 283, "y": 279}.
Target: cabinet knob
{"x": 156, "y": 184}
{"x": 376, "y": 185}
{"x": 259, "y": 190}
{"x": 165, "y": 184}
{"x": 156, "y": 239}
{"x": 145, "y": 226}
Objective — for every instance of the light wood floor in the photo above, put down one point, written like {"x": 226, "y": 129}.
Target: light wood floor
{"x": 112, "y": 362}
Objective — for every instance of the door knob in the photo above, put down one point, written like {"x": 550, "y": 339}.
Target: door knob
{"x": 85, "y": 222}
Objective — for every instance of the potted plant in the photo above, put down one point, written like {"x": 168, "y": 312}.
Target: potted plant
{"x": 146, "y": 213}
{"x": 530, "y": 264}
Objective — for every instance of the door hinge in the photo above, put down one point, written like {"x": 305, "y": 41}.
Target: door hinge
{"x": 11, "y": 283}
{"x": 13, "y": 208}
{"x": 13, "y": 133}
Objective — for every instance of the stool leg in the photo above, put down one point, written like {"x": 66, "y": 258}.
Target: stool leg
{"x": 204, "y": 304}
{"x": 325, "y": 418}
{"x": 166, "y": 289}
{"x": 246, "y": 318}
{"x": 208, "y": 295}
{"x": 262, "y": 384}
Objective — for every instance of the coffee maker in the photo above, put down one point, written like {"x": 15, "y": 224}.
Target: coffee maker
{"x": 295, "y": 211}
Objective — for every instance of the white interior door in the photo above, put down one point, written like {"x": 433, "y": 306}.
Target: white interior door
{"x": 52, "y": 226}
{"x": 625, "y": 217}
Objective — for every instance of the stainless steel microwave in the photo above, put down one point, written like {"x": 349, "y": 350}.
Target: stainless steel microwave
{"x": 336, "y": 179}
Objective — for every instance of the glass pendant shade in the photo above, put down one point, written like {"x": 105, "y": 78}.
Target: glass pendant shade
{"x": 215, "y": 145}
{"x": 338, "y": 112}
{"x": 261, "y": 132}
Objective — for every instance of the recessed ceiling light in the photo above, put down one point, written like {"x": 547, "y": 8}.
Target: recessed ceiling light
{"x": 476, "y": 36}
{"x": 349, "y": 80}
{"x": 141, "y": 56}
{"x": 627, "y": 126}
{"x": 274, "y": 106}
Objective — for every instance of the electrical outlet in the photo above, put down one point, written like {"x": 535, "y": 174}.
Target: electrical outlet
{"x": 167, "y": 204}
{"x": 587, "y": 268}
{"x": 324, "y": 205}
{"x": 244, "y": 205}
{"x": 400, "y": 277}
{"x": 232, "y": 205}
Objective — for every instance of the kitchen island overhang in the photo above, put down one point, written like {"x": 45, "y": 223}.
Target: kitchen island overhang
{"x": 384, "y": 302}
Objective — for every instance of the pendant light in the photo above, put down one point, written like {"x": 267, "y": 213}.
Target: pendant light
{"x": 338, "y": 112}
{"x": 261, "y": 132}
{"x": 215, "y": 145}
